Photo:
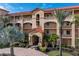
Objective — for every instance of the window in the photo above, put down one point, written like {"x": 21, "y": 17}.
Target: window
{"x": 37, "y": 17}
{"x": 47, "y": 24}
{"x": 27, "y": 16}
{"x": 68, "y": 23}
{"x": 47, "y": 31}
{"x": 68, "y": 32}
{"x": 17, "y": 24}
{"x": 37, "y": 23}
{"x": 17, "y": 17}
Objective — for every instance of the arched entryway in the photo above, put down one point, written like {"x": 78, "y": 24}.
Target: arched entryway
{"x": 35, "y": 40}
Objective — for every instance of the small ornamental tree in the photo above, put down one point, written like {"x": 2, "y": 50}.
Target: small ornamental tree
{"x": 4, "y": 20}
{"x": 53, "y": 38}
{"x": 11, "y": 34}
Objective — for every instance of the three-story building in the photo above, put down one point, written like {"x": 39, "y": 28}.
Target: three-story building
{"x": 39, "y": 22}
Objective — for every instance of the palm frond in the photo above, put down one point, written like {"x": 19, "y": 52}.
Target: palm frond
{"x": 61, "y": 15}
{"x": 76, "y": 20}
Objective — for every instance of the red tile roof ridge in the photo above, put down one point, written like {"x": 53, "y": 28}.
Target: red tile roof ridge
{"x": 45, "y": 10}
{"x": 68, "y": 7}
{"x": 39, "y": 29}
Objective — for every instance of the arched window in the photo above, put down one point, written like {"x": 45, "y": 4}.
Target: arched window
{"x": 37, "y": 20}
{"x": 37, "y": 17}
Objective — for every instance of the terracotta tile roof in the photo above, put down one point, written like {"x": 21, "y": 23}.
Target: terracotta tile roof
{"x": 45, "y": 11}
{"x": 29, "y": 13}
{"x": 64, "y": 8}
{"x": 48, "y": 11}
{"x": 37, "y": 9}
{"x": 70, "y": 7}
{"x": 20, "y": 13}
{"x": 39, "y": 29}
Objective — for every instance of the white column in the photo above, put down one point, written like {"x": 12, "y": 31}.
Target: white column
{"x": 21, "y": 23}
{"x": 30, "y": 39}
{"x": 14, "y": 21}
{"x": 42, "y": 23}
{"x": 73, "y": 35}
{"x": 73, "y": 32}
{"x": 33, "y": 23}
{"x": 40, "y": 40}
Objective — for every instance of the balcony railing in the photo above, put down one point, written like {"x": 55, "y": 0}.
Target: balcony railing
{"x": 66, "y": 35}
{"x": 27, "y": 19}
{"x": 65, "y": 26}
{"x": 27, "y": 28}
{"x": 48, "y": 18}
{"x": 49, "y": 28}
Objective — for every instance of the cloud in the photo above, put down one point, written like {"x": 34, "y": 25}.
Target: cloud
{"x": 8, "y": 7}
{"x": 46, "y": 5}
{"x": 2, "y": 7}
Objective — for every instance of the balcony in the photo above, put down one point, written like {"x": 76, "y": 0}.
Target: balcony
{"x": 50, "y": 31}
{"x": 67, "y": 25}
{"x": 27, "y": 26}
{"x": 50, "y": 25}
{"x": 18, "y": 20}
{"x": 27, "y": 19}
{"x": 49, "y": 18}
{"x": 66, "y": 35}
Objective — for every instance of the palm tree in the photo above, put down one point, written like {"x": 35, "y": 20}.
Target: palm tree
{"x": 77, "y": 24}
{"x": 11, "y": 34}
{"x": 76, "y": 20}
{"x": 60, "y": 15}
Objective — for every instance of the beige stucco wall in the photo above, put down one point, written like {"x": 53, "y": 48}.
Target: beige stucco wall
{"x": 43, "y": 21}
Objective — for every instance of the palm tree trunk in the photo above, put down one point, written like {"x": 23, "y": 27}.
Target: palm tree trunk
{"x": 60, "y": 47}
{"x": 12, "y": 51}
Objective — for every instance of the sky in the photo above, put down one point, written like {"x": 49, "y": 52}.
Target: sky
{"x": 21, "y": 7}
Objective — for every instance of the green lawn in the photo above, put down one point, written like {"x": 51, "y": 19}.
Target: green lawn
{"x": 56, "y": 53}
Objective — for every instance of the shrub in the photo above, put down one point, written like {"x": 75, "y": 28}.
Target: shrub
{"x": 75, "y": 53}
{"x": 43, "y": 49}
{"x": 4, "y": 46}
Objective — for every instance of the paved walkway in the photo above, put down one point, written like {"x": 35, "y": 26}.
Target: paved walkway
{"x": 23, "y": 52}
